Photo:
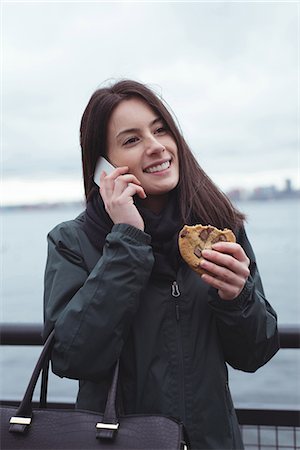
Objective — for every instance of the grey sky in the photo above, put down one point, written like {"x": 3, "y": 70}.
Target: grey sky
{"x": 229, "y": 71}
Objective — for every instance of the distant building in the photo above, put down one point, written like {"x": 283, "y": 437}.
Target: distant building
{"x": 266, "y": 193}
{"x": 288, "y": 186}
{"x": 235, "y": 195}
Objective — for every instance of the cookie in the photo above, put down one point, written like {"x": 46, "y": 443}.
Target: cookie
{"x": 193, "y": 239}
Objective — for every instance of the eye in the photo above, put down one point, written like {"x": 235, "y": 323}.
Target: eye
{"x": 161, "y": 130}
{"x": 131, "y": 140}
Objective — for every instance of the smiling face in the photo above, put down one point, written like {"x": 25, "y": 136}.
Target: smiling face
{"x": 138, "y": 138}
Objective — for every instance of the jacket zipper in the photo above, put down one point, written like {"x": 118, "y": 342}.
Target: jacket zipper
{"x": 176, "y": 294}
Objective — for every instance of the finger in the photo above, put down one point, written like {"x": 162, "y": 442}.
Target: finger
{"x": 138, "y": 190}
{"x": 114, "y": 174}
{"x": 223, "y": 273}
{"x": 128, "y": 178}
{"x": 118, "y": 171}
{"x": 226, "y": 261}
{"x": 121, "y": 182}
{"x": 219, "y": 282}
{"x": 226, "y": 290}
{"x": 103, "y": 175}
{"x": 106, "y": 186}
{"x": 231, "y": 248}
{"x": 131, "y": 190}
{"x": 121, "y": 186}
{"x": 107, "y": 180}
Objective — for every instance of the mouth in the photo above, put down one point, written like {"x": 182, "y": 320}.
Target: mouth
{"x": 154, "y": 168}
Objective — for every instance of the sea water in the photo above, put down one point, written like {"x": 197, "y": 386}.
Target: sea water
{"x": 273, "y": 230}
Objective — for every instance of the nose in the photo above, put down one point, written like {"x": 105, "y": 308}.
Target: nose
{"x": 154, "y": 146}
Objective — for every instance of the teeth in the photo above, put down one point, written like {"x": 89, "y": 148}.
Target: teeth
{"x": 158, "y": 168}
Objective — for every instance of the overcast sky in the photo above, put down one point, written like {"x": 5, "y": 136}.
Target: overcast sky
{"x": 229, "y": 71}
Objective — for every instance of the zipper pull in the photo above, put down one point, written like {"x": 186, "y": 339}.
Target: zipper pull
{"x": 175, "y": 289}
{"x": 176, "y": 293}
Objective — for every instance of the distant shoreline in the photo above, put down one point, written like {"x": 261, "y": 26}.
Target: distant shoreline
{"x": 43, "y": 206}
{"x": 81, "y": 204}
{"x": 237, "y": 194}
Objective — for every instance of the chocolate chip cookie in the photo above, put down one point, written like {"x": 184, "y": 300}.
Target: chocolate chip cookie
{"x": 193, "y": 239}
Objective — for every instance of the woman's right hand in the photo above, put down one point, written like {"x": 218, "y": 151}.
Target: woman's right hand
{"x": 117, "y": 190}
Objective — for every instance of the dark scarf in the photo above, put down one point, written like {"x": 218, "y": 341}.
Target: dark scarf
{"x": 163, "y": 229}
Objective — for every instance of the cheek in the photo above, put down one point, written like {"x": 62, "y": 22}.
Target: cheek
{"x": 176, "y": 162}
{"x": 118, "y": 158}
{"x": 132, "y": 163}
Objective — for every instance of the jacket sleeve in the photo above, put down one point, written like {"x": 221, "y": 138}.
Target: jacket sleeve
{"x": 92, "y": 312}
{"x": 248, "y": 324}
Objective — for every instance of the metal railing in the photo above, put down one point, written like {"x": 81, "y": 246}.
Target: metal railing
{"x": 31, "y": 334}
{"x": 262, "y": 429}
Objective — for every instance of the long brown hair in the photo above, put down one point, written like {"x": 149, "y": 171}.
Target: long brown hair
{"x": 200, "y": 200}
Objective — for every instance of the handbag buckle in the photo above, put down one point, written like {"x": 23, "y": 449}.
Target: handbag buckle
{"x": 106, "y": 430}
{"x": 107, "y": 426}
{"x": 20, "y": 420}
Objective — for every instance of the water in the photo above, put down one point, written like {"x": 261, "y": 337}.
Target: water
{"x": 273, "y": 229}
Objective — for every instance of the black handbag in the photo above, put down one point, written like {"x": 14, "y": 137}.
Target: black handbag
{"x": 61, "y": 429}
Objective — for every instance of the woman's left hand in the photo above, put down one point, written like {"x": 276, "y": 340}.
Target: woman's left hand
{"x": 228, "y": 267}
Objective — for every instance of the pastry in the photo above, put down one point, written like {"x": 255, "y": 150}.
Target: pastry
{"x": 193, "y": 239}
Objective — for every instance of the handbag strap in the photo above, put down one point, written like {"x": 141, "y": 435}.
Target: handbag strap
{"x": 22, "y": 419}
{"x": 44, "y": 384}
{"x": 109, "y": 425}
{"x": 23, "y": 416}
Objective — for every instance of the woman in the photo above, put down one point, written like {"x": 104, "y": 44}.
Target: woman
{"x": 116, "y": 286}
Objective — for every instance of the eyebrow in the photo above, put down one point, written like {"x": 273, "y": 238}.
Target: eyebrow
{"x": 134, "y": 130}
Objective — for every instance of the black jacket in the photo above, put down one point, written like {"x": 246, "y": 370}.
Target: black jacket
{"x": 173, "y": 339}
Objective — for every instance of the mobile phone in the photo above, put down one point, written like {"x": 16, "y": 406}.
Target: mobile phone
{"x": 102, "y": 164}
